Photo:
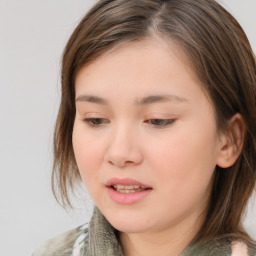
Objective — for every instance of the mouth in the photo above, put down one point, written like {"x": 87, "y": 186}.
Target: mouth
{"x": 126, "y": 185}
{"x": 128, "y": 188}
{"x": 127, "y": 191}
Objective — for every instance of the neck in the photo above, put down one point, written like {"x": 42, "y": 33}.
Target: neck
{"x": 171, "y": 241}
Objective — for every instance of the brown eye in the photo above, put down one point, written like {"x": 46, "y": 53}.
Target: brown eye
{"x": 160, "y": 122}
{"x": 95, "y": 121}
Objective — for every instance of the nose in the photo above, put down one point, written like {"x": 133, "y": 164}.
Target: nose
{"x": 123, "y": 149}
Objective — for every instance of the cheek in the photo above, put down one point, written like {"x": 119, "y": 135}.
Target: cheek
{"x": 88, "y": 152}
{"x": 185, "y": 163}
{"x": 183, "y": 173}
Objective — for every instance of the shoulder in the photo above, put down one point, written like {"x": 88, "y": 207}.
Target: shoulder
{"x": 220, "y": 247}
{"x": 70, "y": 243}
{"x": 252, "y": 249}
{"x": 241, "y": 249}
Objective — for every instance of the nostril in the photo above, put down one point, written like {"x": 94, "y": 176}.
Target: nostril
{"x": 129, "y": 163}
{"x": 123, "y": 156}
{"x": 121, "y": 164}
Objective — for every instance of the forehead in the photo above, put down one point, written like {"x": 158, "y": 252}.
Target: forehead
{"x": 149, "y": 66}
{"x": 145, "y": 47}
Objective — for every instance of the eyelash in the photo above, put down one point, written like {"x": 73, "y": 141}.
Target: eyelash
{"x": 157, "y": 122}
{"x": 95, "y": 122}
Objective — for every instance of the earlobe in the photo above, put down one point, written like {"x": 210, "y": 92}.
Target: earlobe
{"x": 231, "y": 142}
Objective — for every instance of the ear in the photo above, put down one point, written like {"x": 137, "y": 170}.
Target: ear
{"x": 231, "y": 142}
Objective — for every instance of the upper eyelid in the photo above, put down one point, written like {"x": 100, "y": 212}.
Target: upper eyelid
{"x": 93, "y": 118}
{"x": 147, "y": 119}
{"x": 163, "y": 119}
{"x": 99, "y": 116}
{"x": 92, "y": 114}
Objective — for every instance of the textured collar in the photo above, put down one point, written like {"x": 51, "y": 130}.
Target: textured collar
{"x": 103, "y": 240}
{"x": 102, "y": 237}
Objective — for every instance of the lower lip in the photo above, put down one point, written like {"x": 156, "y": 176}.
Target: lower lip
{"x": 127, "y": 198}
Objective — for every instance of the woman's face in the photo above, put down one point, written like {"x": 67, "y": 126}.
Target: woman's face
{"x": 145, "y": 137}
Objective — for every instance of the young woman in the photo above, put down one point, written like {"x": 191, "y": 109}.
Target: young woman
{"x": 158, "y": 120}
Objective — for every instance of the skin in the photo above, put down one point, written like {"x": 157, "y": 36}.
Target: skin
{"x": 119, "y": 137}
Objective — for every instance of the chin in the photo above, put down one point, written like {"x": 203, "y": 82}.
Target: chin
{"x": 129, "y": 223}
{"x": 127, "y": 227}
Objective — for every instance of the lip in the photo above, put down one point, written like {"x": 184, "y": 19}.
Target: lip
{"x": 127, "y": 198}
{"x": 125, "y": 182}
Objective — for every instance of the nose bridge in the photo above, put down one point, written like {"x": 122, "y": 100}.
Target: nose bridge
{"x": 123, "y": 148}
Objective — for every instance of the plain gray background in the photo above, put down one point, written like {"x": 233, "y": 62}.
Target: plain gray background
{"x": 33, "y": 34}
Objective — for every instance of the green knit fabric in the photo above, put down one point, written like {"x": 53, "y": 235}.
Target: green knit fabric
{"x": 101, "y": 239}
{"x": 209, "y": 248}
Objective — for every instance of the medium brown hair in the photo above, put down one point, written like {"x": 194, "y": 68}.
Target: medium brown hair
{"x": 224, "y": 63}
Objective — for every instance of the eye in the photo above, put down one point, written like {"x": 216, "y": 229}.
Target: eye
{"x": 160, "y": 122}
{"x": 95, "y": 121}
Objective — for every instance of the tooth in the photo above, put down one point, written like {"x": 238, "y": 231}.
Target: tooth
{"x": 129, "y": 187}
{"x": 129, "y": 190}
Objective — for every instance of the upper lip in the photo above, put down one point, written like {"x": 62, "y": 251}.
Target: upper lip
{"x": 125, "y": 182}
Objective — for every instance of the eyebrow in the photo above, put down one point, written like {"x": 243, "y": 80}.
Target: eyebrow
{"x": 160, "y": 98}
{"x": 143, "y": 101}
{"x": 92, "y": 99}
